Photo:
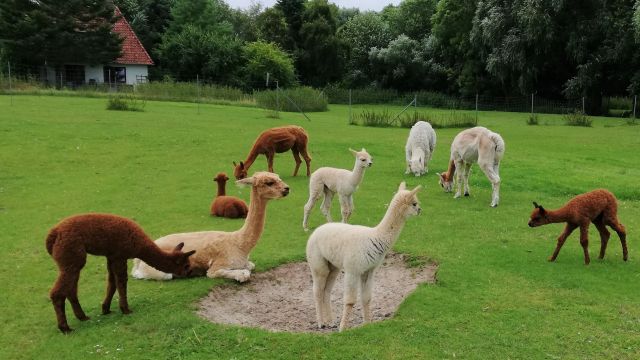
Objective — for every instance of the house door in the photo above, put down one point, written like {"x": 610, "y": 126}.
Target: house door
{"x": 74, "y": 75}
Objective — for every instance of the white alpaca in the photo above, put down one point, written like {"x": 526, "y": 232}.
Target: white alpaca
{"x": 220, "y": 253}
{"x": 419, "y": 148}
{"x": 358, "y": 250}
{"x": 473, "y": 145}
{"x": 329, "y": 181}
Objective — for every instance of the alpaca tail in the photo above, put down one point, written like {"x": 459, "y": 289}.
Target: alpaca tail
{"x": 51, "y": 239}
{"x": 497, "y": 139}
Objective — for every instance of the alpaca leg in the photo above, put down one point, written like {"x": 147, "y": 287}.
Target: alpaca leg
{"x": 425, "y": 162}
{"x": 119, "y": 267}
{"x": 584, "y": 241}
{"x": 459, "y": 178}
{"x": 73, "y": 298}
{"x": 307, "y": 160}
{"x": 622, "y": 234}
{"x": 604, "y": 235}
{"x": 325, "y": 207}
{"x": 58, "y": 297}
{"x": 568, "y": 229}
{"x": 111, "y": 289}
{"x": 408, "y": 159}
{"x": 319, "y": 273}
{"x": 270, "y": 161}
{"x": 467, "y": 171}
{"x": 351, "y": 284}
{"x": 495, "y": 182}
{"x": 314, "y": 195}
{"x": 346, "y": 205}
{"x": 239, "y": 275}
{"x": 296, "y": 157}
{"x": 365, "y": 294}
{"x": 326, "y": 300}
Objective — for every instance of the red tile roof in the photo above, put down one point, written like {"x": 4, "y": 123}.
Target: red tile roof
{"x": 132, "y": 50}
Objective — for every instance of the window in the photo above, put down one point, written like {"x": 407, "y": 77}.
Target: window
{"x": 115, "y": 74}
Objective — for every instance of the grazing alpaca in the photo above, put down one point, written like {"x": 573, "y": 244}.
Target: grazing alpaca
{"x": 598, "y": 207}
{"x": 276, "y": 140}
{"x": 419, "y": 148}
{"x": 359, "y": 251}
{"x": 227, "y": 206}
{"x": 473, "y": 145}
{"x": 112, "y": 236}
{"x": 224, "y": 254}
{"x": 327, "y": 181}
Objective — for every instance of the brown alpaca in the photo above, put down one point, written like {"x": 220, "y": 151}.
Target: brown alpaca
{"x": 598, "y": 207}
{"x": 112, "y": 236}
{"x": 446, "y": 178}
{"x": 227, "y": 206}
{"x": 276, "y": 140}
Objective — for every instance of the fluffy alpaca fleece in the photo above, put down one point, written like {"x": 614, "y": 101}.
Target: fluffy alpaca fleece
{"x": 598, "y": 207}
{"x": 327, "y": 181}
{"x": 358, "y": 251}
{"x": 227, "y": 206}
{"x": 219, "y": 253}
{"x": 114, "y": 237}
{"x": 277, "y": 140}
{"x": 475, "y": 145}
{"x": 419, "y": 148}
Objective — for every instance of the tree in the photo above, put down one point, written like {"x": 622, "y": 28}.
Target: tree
{"x": 59, "y": 31}
{"x": 272, "y": 27}
{"x": 412, "y": 18}
{"x": 263, "y": 57}
{"x": 245, "y": 22}
{"x": 208, "y": 15}
{"x": 292, "y": 11}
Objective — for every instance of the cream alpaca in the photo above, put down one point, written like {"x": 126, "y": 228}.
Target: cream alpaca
{"x": 327, "y": 181}
{"x": 473, "y": 145}
{"x": 358, "y": 250}
{"x": 224, "y": 254}
{"x": 419, "y": 148}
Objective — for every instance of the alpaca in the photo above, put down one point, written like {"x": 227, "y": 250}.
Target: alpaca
{"x": 419, "y": 148}
{"x": 224, "y": 254}
{"x": 473, "y": 145}
{"x": 359, "y": 251}
{"x": 276, "y": 140}
{"x": 112, "y": 236}
{"x": 598, "y": 207}
{"x": 328, "y": 181}
{"x": 227, "y": 206}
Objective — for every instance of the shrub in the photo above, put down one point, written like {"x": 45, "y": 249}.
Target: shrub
{"x": 533, "y": 119}
{"x": 372, "y": 118}
{"x": 577, "y": 118}
{"x": 293, "y": 100}
{"x": 125, "y": 102}
{"x": 407, "y": 120}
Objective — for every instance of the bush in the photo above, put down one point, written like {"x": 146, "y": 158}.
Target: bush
{"x": 189, "y": 91}
{"x": 292, "y": 100}
{"x": 125, "y": 102}
{"x": 407, "y": 120}
{"x": 577, "y": 118}
{"x": 372, "y": 118}
{"x": 533, "y": 119}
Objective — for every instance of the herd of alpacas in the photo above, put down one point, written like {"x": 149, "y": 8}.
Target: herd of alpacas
{"x": 332, "y": 248}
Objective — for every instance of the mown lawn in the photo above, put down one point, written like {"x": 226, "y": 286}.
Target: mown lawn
{"x": 496, "y": 295}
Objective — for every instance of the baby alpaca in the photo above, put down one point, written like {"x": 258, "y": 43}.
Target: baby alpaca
{"x": 327, "y": 181}
{"x": 227, "y": 206}
{"x": 419, "y": 148}
{"x": 598, "y": 207}
{"x": 359, "y": 251}
{"x": 221, "y": 253}
{"x": 112, "y": 236}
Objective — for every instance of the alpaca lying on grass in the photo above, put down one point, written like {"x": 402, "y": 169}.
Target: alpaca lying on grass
{"x": 598, "y": 207}
{"x": 419, "y": 148}
{"x": 327, "y": 181}
{"x": 358, "y": 250}
{"x": 224, "y": 254}
{"x": 277, "y": 140}
{"x": 112, "y": 236}
{"x": 473, "y": 145}
{"x": 227, "y": 206}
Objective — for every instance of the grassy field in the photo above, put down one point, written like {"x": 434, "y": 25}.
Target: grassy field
{"x": 496, "y": 295}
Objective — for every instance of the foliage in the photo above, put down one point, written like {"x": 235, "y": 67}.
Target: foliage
{"x": 272, "y": 27}
{"x": 577, "y": 118}
{"x": 533, "y": 119}
{"x": 263, "y": 57}
{"x": 292, "y": 100}
{"x": 411, "y": 18}
{"x": 292, "y": 11}
{"x": 125, "y": 102}
{"x": 191, "y": 92}
{"x": 385, "y": 118}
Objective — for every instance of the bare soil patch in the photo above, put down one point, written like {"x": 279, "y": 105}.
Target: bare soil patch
{"x": 282, "y": 299}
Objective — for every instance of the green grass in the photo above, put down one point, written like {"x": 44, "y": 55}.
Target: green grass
{"x": 496, "y": 295}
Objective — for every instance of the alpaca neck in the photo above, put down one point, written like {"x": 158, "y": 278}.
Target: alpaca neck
{"x": 557, "y": 216}
{"x": 357, "y": 174}
{"x": 250, "y": 232}
{"x": 451, "y": 170}
{"x": 251, "y": 158}
{"x": 392, "y": 223}
{"x": 156, "y": 257}
{"x": 221, "y": 188}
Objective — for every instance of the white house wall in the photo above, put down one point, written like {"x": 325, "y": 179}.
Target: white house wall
{"x": 134, "y": 72}
{"x": 96, "y": 73}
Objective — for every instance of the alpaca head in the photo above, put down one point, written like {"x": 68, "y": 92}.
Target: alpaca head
{"x": 268, "y": 185}
{"x": 363, "y": 159}
{"x": 239, "y": 171}
{"x": 445, "y": 181}
{"x": 538, "y": 216}
{"x": 221, "y": 178}
{"x": 416, "y": 163}
{"x": 407, "y": 201}
{"x": 179, "y": 261}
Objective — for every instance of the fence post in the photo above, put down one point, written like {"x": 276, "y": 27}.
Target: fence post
{"x": 11, "y": 88}
{"x": 583, "y": 105}
{"x": 198, "y": 91}
{"x": 635, "y": 103}
{"x": 531, "y": 104}
{"x": 350, "y": 106}
{"x": 277, "y": 96}
{"x": 415, "y": 101}
{"x": 476, "y": 108}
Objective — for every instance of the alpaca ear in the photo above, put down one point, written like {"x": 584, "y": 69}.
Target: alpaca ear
{"x": 403, "y": 186}
{"x": 246, "y": 181}
{"x": 241, "y": 165}
{"x": 189, "y": 253}
{"x": 416, "y": 189}
{"x": 353, "y": 151}
{"x": 234, "y": 164}
{"x": 179, "y": 247}
{"x": 363, "y": 150}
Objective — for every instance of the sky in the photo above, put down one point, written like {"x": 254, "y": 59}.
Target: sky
{"x": 363, "y": 5}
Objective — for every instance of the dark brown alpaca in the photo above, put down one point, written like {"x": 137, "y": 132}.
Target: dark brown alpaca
{"x": 112, "y": 236}
{"x": 276, "y": 140}
{"x": 227, "y": 206}
{"x": 598, "y": 207}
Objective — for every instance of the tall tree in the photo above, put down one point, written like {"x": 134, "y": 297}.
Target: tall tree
{"x": 262, "y": 58}
{"x": 412, "y": 18}
{"x": 59, "y": 31}
{"x": 292, "y": 11}
{"x": 272, "y": 27}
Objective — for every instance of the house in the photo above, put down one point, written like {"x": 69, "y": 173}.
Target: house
{"x": 130, "y": 68}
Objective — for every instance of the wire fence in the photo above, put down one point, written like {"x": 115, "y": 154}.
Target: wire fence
{"x": 81, "y": 80}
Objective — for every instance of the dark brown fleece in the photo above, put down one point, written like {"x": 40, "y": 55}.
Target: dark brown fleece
{"x": 227, "y": 206}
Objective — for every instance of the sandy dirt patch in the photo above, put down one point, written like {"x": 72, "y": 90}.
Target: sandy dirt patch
{"x": 281, "y": 299}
